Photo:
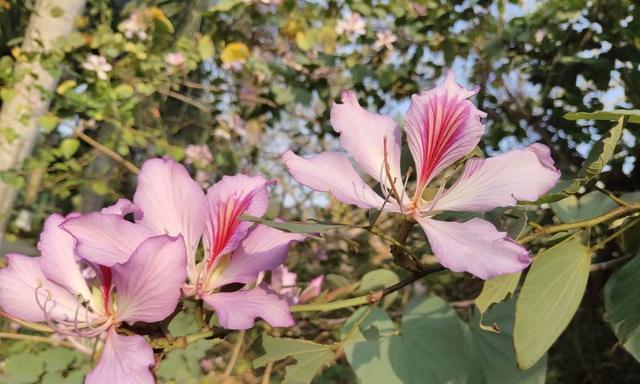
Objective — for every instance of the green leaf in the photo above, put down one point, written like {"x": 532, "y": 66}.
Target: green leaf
{"x": 572, "y": 209}
{"x": 48, "y": 122}
{"x": 634, "y": 115}
{"x": 59, "y": 359}
{"x": 56, "y": 12}
{"x": 295, "y": 227}
{"x": 7, "y": 94}
{"x": 550, "y": 296}
{"x": 205, "y": 47}
{"x": 123, "y": 91}
{"x": 224, "y": 6}
{"x": 378, "y": 279}
{"x": 145, "y": 88}
{"x": 622, "y": 304}
{"x": 495, "y": 290}
{"x": 69, "y": 146}
{"x": 24, "y": 368}
{"x": 183, "y": 366}
{"x": 428, "y": 347}
{"x": 494, "y": 352}
{"x": 310, "y": 357}
{"x": 598, "y": 157}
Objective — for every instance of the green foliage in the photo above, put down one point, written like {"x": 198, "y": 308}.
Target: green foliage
{"x": 550, "y": 296}
{"x": 310, "y": 357}
{"x": 497, "y": 289}
{"x": 623, "y": 306}
{"x": 588, "y": 206}
{"x": 599, "y": 156}
{"x": 378, "y": 279}
{"x": 493, "y": 352}
{"x": 428, "y": 347}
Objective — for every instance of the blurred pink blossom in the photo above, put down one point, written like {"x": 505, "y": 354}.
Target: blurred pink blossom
{"x": 385, "y": 39}
{"x": 353, "y": 24}
{"x": 175, "y": 59}
{"x": 134, "y": 26}
{"x": 199, "y": 155}
{"x": 97, "y": 64}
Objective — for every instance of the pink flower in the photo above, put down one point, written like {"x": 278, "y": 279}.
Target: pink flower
{"x": 97, "y": 64}
{"x": 168, "y": 201}
{"x": 198, "y": 154}
{"x": 284, "y": 282}
{"x": 385, "y": 40}
{"x": 353, "y": 24}
{"x": 134, "y": 25}
{"x": 136, "y": 279}
{"x": 175, "y": 59}
{"x": 441, "y": 126}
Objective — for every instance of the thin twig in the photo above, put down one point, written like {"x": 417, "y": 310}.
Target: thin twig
{"x": 107, "y": 151}
{"x": 236, "y": 352}
{"x": 549, "y": 229}
{"x": 266, "y": 376}
{"x": 36, "y": 339}
{"x": 186, "y": 99}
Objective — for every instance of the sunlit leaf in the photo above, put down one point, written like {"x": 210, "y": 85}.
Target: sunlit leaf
{"x": 296, "y": 227}
{"x": 550, "y": 295}
{"x": 235, "y": 52}
{"x": 634, "y": 115}
{"x": 310, "y": 357}
{"x": 428, "y": 347}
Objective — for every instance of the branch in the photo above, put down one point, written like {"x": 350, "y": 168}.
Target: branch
{"x": 107, "y": 151}
{"x": 613, "y": 214}
{"x": 370, "y": 298}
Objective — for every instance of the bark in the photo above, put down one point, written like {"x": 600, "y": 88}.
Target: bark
{"x": 50, "y": 20}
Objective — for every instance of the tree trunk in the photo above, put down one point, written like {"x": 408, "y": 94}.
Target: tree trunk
{"x": 50, "y": 20}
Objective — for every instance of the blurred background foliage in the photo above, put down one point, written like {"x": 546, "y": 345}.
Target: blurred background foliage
{"x": 226, "y": 86}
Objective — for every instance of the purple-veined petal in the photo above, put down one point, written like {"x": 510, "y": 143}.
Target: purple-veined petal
{"x": 442, "y": 126}
{"x": 18, "y": 285}
{"x": 501, "y": 181}
{"x": 58, "y": 257}
{"x": 239, "y": 310}
{"x": 148, "y": 285}
{"x": 474, "y": 246}
{"x": 227, "y": 200}
{"x": 332, "y": 172}
{"x": 172, "y": 203}
{"x": 124, "y": 359}
{"x": 123, "y": 207}
{"x": 312, "y": 290}
{"x": 263, "y": 249}
{"x": 105, "y": 239}
{"x": 363, "y": 134}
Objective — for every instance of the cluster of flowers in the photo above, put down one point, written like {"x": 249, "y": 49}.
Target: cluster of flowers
{"x": 133, "y": 261}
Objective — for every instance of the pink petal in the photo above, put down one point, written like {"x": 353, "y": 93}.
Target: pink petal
{"x": 124, "y": 359}
{"x": 123, "y": 207}
{"x": 363, "y": 133}
{"x": 283, "y": 281}
{"x": 172, "y": 202}
{"x": 263, "y": 249}
{"x": 442, "y": 126}
{"x": 501, "y": 181}
{"x": 312, "y": 290}
{"x": 474, "y": 246}
{"x": 105, "y": 239}
{"x": 148, "y": 285}
{"x": 227, "y": 200}
{"x": 332, "y": 172}
{"x": 58, "y": 260}
{"x": 18, "y": 285}
{"x": 239, "y": 310}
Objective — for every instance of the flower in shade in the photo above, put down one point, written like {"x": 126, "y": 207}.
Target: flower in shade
{"x": 134, "y": 25}
{"x": 353, "y": 24}
{"x": 168, "y": 201}
{"x": 97, "y": 64}
{"x": 137, "y": 279}
{"x": 385, "y": 39}
{"x": 442, "y": 126}
{"x": 284, "y": 283}
{"x": 175, "y": 59}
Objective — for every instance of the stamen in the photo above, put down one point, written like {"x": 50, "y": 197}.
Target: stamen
{"x": 387, "y": 168}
